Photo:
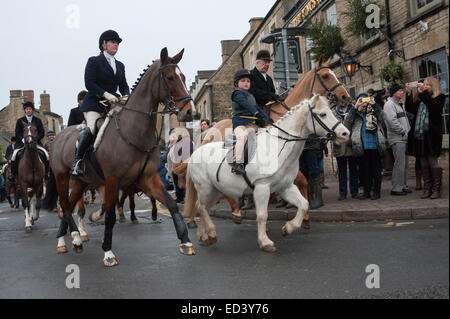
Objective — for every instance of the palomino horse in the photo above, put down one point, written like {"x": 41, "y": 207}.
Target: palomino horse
{"x": 322, "y": 81}
{"x": 30, "y": 177}
{"x": 272, "y": 170}
{"x": 128, "y": 153}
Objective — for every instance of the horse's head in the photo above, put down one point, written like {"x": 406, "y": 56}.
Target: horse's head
{"x": 30, "y": 133}
{"x": 176, "y": 94}
{"x": 321, "y": 121}
{"x": 325, "y": 83}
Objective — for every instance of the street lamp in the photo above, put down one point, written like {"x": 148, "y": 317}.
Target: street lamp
{"x": 351, "y": 66}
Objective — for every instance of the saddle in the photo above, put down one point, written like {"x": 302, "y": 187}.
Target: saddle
{"x": 249, "y": 148}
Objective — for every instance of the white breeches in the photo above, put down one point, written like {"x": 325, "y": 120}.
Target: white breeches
{"x": 13, "y": 157}
{"x": 91, "y": 117}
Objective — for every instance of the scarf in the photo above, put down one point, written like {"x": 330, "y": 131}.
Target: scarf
{"x": 422, "y": 122}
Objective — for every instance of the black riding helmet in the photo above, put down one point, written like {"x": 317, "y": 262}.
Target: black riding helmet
{"x": 242, "y": 73}
{"x": 28, "y": 104}
{"x": 108, "y": 35}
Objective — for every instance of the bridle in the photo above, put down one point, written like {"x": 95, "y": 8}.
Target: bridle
{"x": 171, "y": 101}
{"x": 33, "y": 138}
{"x": 332, "y": 97}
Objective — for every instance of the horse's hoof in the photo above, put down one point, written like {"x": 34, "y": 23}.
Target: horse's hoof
{"x": 32, "y": 221}
{"x": 236, "y": 219}
{"x": 28, "y": 229}
{"x": 77, "y": 249}
{"x": 208, "y": 241}
{"x": 284, "y": 231}
{"x": 192, "y": 225}
{"x": 186, "y": 249}
{"x": 306, "y": 224}
{"x": 135, "y": 221}
{"x": 269, "y": 248}
{"x": 61, "y": 250}
{"x": 84, "y": 238}
{"x": 110, "y": 262}
{"x": 154, "y": 215}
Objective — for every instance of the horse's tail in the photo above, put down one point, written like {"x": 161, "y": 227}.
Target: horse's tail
{"x": 51, "y": 194}
{"x": 190, "y": 199}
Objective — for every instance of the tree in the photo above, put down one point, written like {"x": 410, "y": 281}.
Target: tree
{"x": 326, "y": 40}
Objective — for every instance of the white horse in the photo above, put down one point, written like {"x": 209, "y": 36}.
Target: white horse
{"x": 273, "y": 169}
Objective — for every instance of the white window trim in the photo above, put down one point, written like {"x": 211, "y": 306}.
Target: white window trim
{"x": 415, "y": 11}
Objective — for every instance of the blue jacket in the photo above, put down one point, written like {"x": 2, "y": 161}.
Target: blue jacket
{"x": 243, "y": 104}
{"x": 98, "y": 78}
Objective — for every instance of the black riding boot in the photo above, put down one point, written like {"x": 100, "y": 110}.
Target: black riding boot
{"x": 84, "y": 140}
{"x": 12, "y": 172}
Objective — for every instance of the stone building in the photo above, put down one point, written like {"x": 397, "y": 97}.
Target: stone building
{"x": 14, "y": 111}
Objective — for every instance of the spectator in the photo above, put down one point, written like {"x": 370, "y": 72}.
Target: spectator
{"x": 204, "y": 124}
{"x": 427, "y": 109}
{"x": 397, "y": 124}
{"x": 368, "y": 143}
{"x": 2, "y": 186}
{"x": 344, "y": 158}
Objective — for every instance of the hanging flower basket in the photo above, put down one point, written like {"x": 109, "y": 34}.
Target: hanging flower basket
{"x": 392, "y": 72}
{"x": 326, "y": 40}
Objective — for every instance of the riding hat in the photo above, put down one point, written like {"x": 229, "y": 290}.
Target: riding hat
{"x": 242, "y": 73}
{"x": 50, "y": 132}
{"x": 108, "y": 35}
{"x": 28, "y": 104}
{"x": 263, "y": 55}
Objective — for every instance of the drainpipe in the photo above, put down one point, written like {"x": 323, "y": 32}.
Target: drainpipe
{"x": 388, "y": 29}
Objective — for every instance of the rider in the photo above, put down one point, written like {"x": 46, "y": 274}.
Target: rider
{"x": 50, "y": 136}
{"x": 103, "y": 74}
{"x": 245, "y": 112}
{"x": 11, "y": 148}
{"x": 28, "y": 118}
{"x": 76, "y": 116}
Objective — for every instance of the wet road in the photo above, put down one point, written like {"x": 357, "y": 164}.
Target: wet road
{"x": 327, "y": 261}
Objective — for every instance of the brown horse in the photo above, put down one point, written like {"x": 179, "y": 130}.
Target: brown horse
{"x": 128, "y": 153}
{"x": 30, "y": 178}
{"x": 130, "y": 192}
{"x": 322, "y": 81}
{"x": 12, "y": 191}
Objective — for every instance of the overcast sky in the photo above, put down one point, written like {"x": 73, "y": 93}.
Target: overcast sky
{"x": 45, "y": 44}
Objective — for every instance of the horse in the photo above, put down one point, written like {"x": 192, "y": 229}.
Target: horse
{"x": 320, "y": 80}
{"x": 11, "y": 188}
{"x": 273, "y": 169}
{"x": 129, "y": 192}
{"x": 30, "y": 177}
{"x": 128, "y": 153}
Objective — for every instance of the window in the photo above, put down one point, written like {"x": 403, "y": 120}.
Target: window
{"x": 436, "y": 65}
{"x": 309, "y": 56}
{"x": 330, "y": 15}
{"x": 205, "y": 112}
{"x": 53, "y": 125}
{"x": 418, "y": 7}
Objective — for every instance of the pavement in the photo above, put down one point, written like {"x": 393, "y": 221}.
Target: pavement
{"x": 388, "y": 207}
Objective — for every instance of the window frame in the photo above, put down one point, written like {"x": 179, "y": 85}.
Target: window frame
{"x": 415, "y": 12}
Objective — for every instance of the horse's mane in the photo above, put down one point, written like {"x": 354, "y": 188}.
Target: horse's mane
{"x": 141, "y": 75}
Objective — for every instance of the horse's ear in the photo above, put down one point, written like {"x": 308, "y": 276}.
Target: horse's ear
{"x": 178, "y": 57}
{"x": 24, "y": 123}
{"x": 319, "y": 63}
{"x": 328, "y": 62}
{"x": 164, "y": 56}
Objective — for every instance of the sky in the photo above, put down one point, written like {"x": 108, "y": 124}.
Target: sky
{"x": 45, "y": 44}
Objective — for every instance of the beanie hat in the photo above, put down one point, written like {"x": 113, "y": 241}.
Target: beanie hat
{"x": 394, "y": 88}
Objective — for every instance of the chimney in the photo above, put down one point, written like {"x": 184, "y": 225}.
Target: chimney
{"x": 15, "y": 94}
{"x": 45, "y": 102}
{"x": 228, "y": 47}
{"x": 28, "y": 96}
{"x": 254, "y": 23}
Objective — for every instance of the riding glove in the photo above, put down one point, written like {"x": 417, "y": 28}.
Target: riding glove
{"x": 110, "y": 97}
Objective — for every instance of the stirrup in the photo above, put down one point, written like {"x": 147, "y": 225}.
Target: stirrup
{"x": 77, "y": 168}
{"x": 239, "y": 169}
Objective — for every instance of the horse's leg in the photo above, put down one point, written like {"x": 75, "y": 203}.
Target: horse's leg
{"x": 38, "y": 196}
{"x": 81, "y": 212}
{"x": 97, "y": 215}
{"x": 302, "y": 184}
{"x": 293, "y": 196}
{"x": 67, "y": 205}
{"x": 120, "y": 203}
{"x": 154, "y": 187}
{"x": 92, "y": 190}
{"x": 132, "y": 207}
{"x": 261, "y": 195}
{"x": 235, "y": 210}
{"x": 26, "y": 207}
{"x": 111, "y": 194}
{"x": 154, "y": 208}
{"x": 206, "y": 233}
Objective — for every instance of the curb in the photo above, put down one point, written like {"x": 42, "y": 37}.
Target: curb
{"x": 346, "y": 216}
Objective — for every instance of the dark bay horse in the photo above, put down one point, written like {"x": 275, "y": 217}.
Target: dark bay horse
{"x": 128, "y": 154}
{"x": 30, "y": 177}
{"x": 320, "y": 80}
{"x": 12, "y": 191}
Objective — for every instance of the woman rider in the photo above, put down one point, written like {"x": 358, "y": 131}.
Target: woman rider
{"x": 102, "y": 76}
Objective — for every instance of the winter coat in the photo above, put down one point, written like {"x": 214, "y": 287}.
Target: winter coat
{"x": 243, "y": 104}
{"x": 342, "y": 149}
{"x": 354, "y": 122}
{"x": 99, "y": 78}
{"x": 263, "y": 90}
{"x": 397, "y": 122}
